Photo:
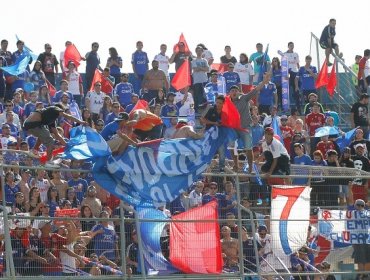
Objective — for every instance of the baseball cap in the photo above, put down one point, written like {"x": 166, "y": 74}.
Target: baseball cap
{"x": 360, "y": 202}
{"x": 122, "y": 117}
{"x": 269, "y": 130}
{"x": 360, "y": 145}
{"x": 284, "y": 117}
{"x": 171, "y": 93}
{"x": 364, "y": 95}
{"x": 18, "y": 90}
{"x": 261, "y": 228}
{"x": 44, "y": 223}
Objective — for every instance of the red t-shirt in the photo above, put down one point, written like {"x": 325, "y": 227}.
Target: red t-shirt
{"x": 361, "y": 66}
{"x": 314, "y": 121}
{"x": 324, "y": 147}
{"x": 287, "y": 133}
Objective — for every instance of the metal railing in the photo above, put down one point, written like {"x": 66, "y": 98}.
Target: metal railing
{"x": 237, "y": 178}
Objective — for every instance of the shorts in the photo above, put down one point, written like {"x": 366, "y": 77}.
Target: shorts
{"x": 324, "y": 45}
{"x": 43, "y": 134}
{"x": 343, "y": 191}
{"x": 244, "y": 139}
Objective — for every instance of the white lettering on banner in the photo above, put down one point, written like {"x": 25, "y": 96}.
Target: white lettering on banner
{"x": 141, "y": 62}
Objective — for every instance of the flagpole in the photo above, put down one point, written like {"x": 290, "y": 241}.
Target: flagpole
{"x": 123, "y": 241}
{"x": 241, "y": 259}
{"x": 140, "y": 245}
{"x": 10, "y": 270}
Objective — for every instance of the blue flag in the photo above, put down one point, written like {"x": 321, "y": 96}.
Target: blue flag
{"x": 346, "y": 139}
{"x": 18, "y": 67}
{"x": 276, "y": 127}
{"x": 263, "y": 69}
{"x": 27, "y": 50}
{"x": 85, "y": 143}
{"x": 160, "y": 173}
{"x": 154, "y": 261}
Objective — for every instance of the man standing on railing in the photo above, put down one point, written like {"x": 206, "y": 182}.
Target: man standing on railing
{"x": 327, "y": 40}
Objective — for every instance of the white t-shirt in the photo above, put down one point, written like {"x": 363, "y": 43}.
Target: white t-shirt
{"x": 276, "y": 148}
{"x": 74, "y": 83}
{"x": 61, "y": 60}
{"x": 184, "y": 109}
{"x": 367, "y": 68}
{"x": 207, "y": 54}
{"x": 16, "y": 120}
{"x": 4, "y": 141}
{"x": 68, "y": 262}
{"x": 43, "y": 186}
{"x": 164, "y": 63}
{"x": 96, "y": 101}
{"x": 195, "y": 199}
{"x": 293, "y": 61}
{"x": 244, "y": 71}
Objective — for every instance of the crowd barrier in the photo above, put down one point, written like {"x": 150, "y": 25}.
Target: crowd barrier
{"x": 123, "y": 251}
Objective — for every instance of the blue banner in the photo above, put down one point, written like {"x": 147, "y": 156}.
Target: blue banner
{"x": 143, "y": 176}
{"x": 346, "y": 139}
{"x": 27, "y": 50}
{"x": 284, "y": 82}
{"x": 154, "y": 261}
{"x": 86, "y": 143}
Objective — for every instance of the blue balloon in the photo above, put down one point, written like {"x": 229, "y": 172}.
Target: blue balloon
{"x": 28, "y": 87}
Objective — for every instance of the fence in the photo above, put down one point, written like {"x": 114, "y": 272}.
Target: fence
{"x": 120, "y": 244}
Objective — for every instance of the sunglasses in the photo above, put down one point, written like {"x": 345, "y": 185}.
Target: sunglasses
{"x": 360, "y": 205}
{"x": 8, "y": 105}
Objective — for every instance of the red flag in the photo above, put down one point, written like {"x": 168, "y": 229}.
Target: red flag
{"x": 43, "y": 157}
{"x": 195, "y": 247}
{"x": 72, "y": 54}
{"x": 176, "y": 48}
{"x": 230, "y": 116}
{"x": 141, "y": 104}
{"x": 182, "y": 77}
{"x": 105, "y": 85}
{"x": 332, "y": 81}
{"x": 322, "y": 78}
{"x": 51, "y": 88}
{"x": 220, "y": 67}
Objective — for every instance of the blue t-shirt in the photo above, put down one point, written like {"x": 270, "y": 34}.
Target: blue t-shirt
{"x": 105, "y": 243}
{"x": 124, "y": 92}
{"x": 36, "y": 80}
{"x": 114, "y": 69}
{"x": 92, "y": 62}
{"x": 80, "y": 186}
{"x": 129, "y": 108}
{"x": 140, "y": 61}
{"x": 276, "y": 76}
{"x": 257, "y": 134}
{"x": 167, "y": 111}
{"x": 10, "y": 193}
{"x": 109, "y": 130}
{"x": 307, "y": 81}
{"x": 221, "y": 200}
{"x": 266, "y": 96}
{"x": 58, "y": 96}
{"x": 110, "y": 117}
{"x": 302, "y": 160}
{"x": 231, "y": 79}
{"x": 211, "y": 91}
{"x": 29, "y": 108}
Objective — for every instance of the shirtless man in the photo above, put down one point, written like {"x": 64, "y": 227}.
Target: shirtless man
{"x": 60, "y": 184}
{"x": 230, "y": 249}
{"x": 183, "y": 130}
{"x": 154, "y": 80}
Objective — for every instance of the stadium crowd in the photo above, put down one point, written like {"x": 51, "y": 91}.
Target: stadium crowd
{"x": 34, "y": 121}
